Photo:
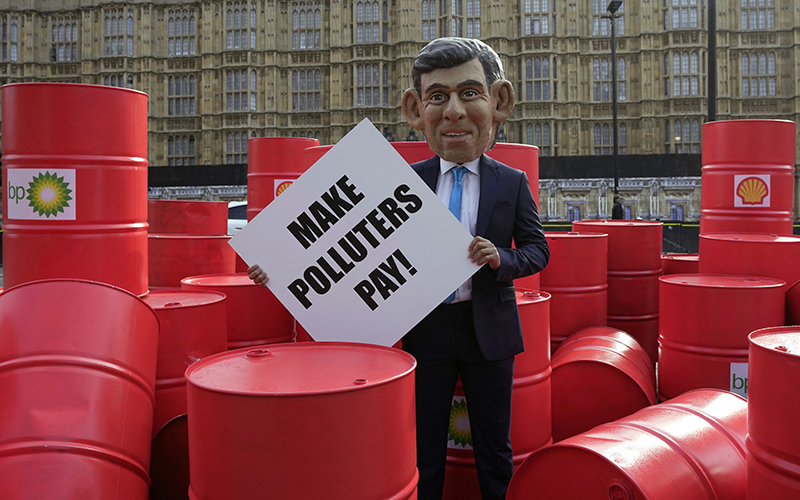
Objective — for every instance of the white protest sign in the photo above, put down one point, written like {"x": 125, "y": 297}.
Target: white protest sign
{"x": 360, "y": 249}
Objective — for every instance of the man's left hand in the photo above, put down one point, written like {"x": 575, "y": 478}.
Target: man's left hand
{"x": 482, "y": 251}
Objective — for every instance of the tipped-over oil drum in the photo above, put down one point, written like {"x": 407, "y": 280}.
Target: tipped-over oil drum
{"x": 254, "y": 314}
{"x": 704, "y": 324}
{"x": 77, "y": 371}
{"x": 308, "y": 421}
{"x": 600, "y": 374}
{"x": 688, "y": 448}
{"x": 74, "y": 184}
{"x": 773, "y": 439}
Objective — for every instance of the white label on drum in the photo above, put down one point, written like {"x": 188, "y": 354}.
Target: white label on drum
{"x": 739, "y": 379}
{"x": 40, "y": 194}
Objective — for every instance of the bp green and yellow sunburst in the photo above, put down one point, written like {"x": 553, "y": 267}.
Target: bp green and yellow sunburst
{"x": 459, "y": 430}
{"x": 48, "y": 194}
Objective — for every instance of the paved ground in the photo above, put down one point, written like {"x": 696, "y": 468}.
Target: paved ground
{"x": 1, "y": 276}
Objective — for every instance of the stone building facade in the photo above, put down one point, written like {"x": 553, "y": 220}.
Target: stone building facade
{"x": 219, "y": 72}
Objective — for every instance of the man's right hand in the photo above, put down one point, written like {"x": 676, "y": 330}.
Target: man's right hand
{"x": 258, "y": 275}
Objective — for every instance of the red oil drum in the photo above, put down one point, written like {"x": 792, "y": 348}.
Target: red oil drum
{"x": 689, "y": 448}
{"x": 303, "y": 422}
{"x": 177, "y": 256}
{"x": 576, "y": 278}
{"x": 255, "y": 316}
{"x": 530, "y": 403}
{"x": 522, "y": 157}
{"x": 193, "y": 326}
{"x": 773, "y": 439}
{"x": 600, "y": 374}
{"x": 751, "y": 254}
{"x": 634, "y": 266}
{"x": 704, "y": 323}
{"x": 680, "y": 263}
{"x": 273, "y": 163}
{"x": 187, "y": 217}
{"x": 77, "y": 366}
{"x": 748, "y": 177}
{"x": 74, "y": 184}
{"x": 526, "y": 158}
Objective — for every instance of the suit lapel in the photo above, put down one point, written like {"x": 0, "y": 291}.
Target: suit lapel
{"x": 429, "y": 171}
{"x": 490, "y": 182}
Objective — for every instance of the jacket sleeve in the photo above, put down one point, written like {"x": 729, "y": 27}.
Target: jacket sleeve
{"x": 531, "y": 252}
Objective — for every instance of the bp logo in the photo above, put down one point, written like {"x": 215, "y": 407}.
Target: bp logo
{"x": 41, "y": 194}
{"x": 752, "y": 191}
{"x": 459, "y": 433}
{"x": 281, "y": 185}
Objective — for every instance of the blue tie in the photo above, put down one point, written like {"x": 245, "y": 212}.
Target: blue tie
{"x": 455, "y": 205}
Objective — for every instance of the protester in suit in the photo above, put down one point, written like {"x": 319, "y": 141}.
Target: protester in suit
{"x": 459, "y": 99}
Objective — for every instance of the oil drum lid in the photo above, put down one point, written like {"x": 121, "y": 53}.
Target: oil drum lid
{"x": 722, "y": 281}
{"x": 169, "y": 299}
{"x": 753, "y": 237}
{"x": 220, "y": 280}
{"x": 780, "y": 339}
{"x": 300, "y": 369}
{"x": 614, "y": 223}
{"x": 573, "y": 235}
{"x": 188, "y": 237}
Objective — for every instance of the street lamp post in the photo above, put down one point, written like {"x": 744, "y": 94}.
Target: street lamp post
{"x": 613, "y": 7}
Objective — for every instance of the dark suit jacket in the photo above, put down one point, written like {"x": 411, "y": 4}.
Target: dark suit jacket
{"x": 506, "y": 213}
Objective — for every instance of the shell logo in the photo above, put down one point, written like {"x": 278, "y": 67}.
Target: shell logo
{"x": 282, "y": 187}
{"x": 752, "y": 191}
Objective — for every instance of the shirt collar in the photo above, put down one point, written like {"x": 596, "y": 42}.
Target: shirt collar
{"x": 473, "y": 166}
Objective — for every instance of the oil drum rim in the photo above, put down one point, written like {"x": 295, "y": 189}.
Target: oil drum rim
{"x": 88, "y": 282}
{"x": 506, "y": 145}
{"x": 687, "y": 257}
{"x": 192, "y": 237}
{"x": 200, "y": 280}
{"x": 75, "y": 85}
{"x": 574, "y": 235}
{"x": 188, "y": 291}
{"x": 356, "y": 386}
{"x": 187, "y": 202}
{"x": 752, "y": 237}
{"x": 766, "y": 282}
{"x": 577, "y": 447}
{"x": 617, "y": 223}
{"x": 753, "y": 337}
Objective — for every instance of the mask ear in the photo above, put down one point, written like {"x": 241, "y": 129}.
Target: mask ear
{"x": 504, "y": 97}
{"x": 411, "y": 105}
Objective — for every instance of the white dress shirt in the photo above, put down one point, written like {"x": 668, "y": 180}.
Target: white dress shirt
{"x": 470, "y": 195}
